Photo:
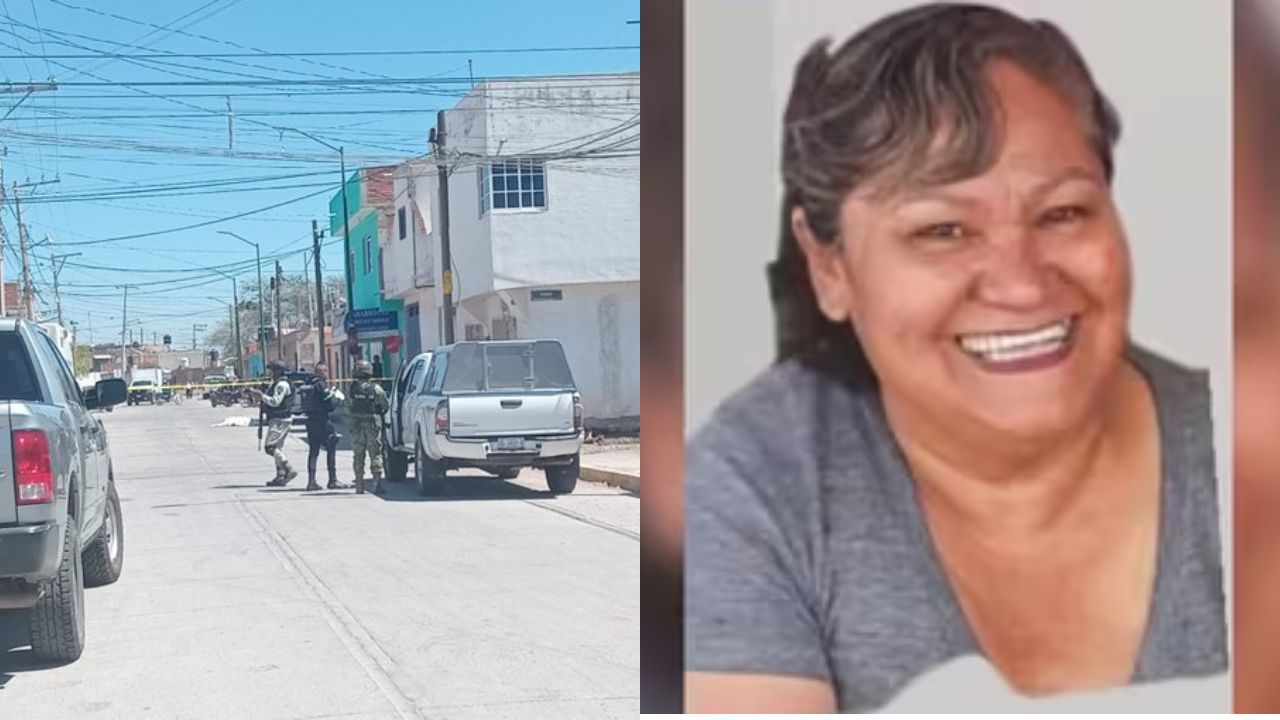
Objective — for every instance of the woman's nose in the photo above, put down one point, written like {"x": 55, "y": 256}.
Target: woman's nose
{"x": 1013, "y": 274}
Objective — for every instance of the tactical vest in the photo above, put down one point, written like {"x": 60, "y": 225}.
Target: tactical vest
{"x": 284, "y": 411}
{"x": 363, "y": 399}
{"x": 313, "y": 401}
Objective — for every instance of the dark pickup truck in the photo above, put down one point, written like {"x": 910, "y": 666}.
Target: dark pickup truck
{"x": 60, "y": 521}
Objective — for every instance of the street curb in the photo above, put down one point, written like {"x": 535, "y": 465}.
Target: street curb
{"x": 609, "y": 477}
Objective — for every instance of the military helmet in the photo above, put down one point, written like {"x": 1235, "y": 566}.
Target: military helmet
{"x": 364, "y": 369}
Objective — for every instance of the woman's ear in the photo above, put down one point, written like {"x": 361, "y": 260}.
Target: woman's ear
{"x": 828, "y": 273}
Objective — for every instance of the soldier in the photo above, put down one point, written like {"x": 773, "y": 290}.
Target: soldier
{"x": 276, "y": 407}
{"x": 320, "y": 400}
{"x": 367, "y": 405}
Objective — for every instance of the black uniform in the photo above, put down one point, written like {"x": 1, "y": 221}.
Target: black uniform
{"x": 318, "y": 405}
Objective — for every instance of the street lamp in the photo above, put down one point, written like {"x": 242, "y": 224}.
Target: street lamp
{"x": 346, "y": 214}
{"x": 262, "y": 331}
{"x": 233, "y": 312}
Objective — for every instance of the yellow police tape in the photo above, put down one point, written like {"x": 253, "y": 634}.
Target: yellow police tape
{"x": 256, "y": 383}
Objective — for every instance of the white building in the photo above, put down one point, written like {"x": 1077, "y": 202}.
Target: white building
{"x": 544, "y": 200}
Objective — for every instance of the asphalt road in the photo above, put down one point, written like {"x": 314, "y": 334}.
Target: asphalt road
{"x": 241, "y": 601}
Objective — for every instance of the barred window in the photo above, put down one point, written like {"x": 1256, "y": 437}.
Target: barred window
{"x": 513, "y": 185}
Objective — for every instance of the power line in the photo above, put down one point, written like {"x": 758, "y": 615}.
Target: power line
{"x": 275, "y": 82}
{"x": 194, "y": 226}
{"x": 335, "y": 53}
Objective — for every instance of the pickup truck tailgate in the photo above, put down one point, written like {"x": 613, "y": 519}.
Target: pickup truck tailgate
{"x": 521, "y": 414}
{"x": 8, "y": 493}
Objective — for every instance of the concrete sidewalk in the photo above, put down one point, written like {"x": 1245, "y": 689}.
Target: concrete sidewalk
{"x": 620, "y": 468}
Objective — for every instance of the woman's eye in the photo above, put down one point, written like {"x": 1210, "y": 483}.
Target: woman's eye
{"x": 1064, "y": 214}
{"x": 941, "y": 231}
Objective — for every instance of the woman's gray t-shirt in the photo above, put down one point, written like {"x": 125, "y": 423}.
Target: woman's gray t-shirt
{"x": 806, "y": 552}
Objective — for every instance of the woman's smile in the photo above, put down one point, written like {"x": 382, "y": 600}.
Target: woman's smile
{"x": 1017, "y": 351}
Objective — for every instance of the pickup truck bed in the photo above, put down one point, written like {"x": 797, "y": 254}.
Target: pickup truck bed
{"x": 60, "y": 521}
{"x": 499, "y": 406}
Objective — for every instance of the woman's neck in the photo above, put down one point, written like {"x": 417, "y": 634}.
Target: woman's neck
{"x": 976, "y": 477}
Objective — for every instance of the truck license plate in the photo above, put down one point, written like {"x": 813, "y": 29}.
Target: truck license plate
{"x": 510, "y": 443}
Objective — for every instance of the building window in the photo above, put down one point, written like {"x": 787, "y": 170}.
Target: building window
{"x": 513, "y": 185}
{"x": 368, "y": 254}
{"x": 401, "y": 222}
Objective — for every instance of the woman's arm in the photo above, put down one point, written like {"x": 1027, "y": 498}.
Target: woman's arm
{"x": 706, "y": 692}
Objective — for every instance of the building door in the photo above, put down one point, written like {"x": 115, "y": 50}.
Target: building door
{"x": 412, "y": 332}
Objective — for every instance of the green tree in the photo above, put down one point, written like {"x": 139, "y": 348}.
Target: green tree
{"x": 84, "y": 360}
{"x": 297, "y": 304}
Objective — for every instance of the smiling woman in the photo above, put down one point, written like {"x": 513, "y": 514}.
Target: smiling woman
{"x": 959, "y": 449}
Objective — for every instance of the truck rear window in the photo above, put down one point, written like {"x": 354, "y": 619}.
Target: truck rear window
{"x": 17, "y": 378}
{"x": 539, "y": 365}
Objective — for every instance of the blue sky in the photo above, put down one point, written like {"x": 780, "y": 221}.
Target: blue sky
{"x": 98, "y": 140}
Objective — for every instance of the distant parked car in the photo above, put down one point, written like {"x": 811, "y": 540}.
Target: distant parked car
{"x": 142, "y": 391}
{"x": 498, "y": 406}
{"x": 60, "y": 522}
{"x": 212, "y": 380}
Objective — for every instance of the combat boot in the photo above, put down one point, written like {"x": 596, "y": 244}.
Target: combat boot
{"x": 334, "y": 484}
{"x": 379, "y": 488}
{"x": 283, "y": 480}
{"x": 359, "y": 486}
{"x": 311, "y": 480}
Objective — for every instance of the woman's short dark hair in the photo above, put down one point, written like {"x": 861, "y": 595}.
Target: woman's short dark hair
{"x": 904, "y": 101}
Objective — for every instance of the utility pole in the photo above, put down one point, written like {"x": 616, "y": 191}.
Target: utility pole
{"x": 446, "y": 258}
{"x": 279, "y": 316}
{"x": 3, "y": 309}
{"x": 57, "y": 268}
{"x": 316, "y": 234}
{"x": 124, "y": 324}
{"x": 304, "y": 301}
{"x": 28, "y": 290}
{"x": 346, "y": 233}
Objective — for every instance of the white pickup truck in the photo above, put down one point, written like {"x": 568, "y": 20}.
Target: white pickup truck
{"x": 498, "y": 406}
{"x": 399, "y": 435}
{"x": 60, "y": 522}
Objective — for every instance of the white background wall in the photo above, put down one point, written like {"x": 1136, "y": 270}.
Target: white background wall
{"x": 590, "y": 229}
{"x": 599, "y": 326}
{"x": 466, "y": 127}
{"x": 1169, "y": 76}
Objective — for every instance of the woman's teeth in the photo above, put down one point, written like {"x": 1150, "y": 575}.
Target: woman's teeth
{"x": 1007, "y": 347}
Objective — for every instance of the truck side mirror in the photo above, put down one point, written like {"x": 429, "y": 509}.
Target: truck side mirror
{"x": 106, "y": 393}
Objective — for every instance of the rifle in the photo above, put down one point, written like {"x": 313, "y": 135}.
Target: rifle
{"x": 261, "y": 416}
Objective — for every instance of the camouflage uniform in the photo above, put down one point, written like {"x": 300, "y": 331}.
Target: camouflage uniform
{"x": 368, "y": 403}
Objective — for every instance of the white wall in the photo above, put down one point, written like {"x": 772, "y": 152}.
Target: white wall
{"x": 599, "y": 326}
{"x": 409, "y": 263}
{"x": 590, "y": 229}
{"x": 466, "y": 132}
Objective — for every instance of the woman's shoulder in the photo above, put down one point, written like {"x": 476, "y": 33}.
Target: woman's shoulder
{"x": 776, "y": 409}
{"x": 1182, "y": 394}
{"x": 1169, "y": 376}
{"x": 777, "y": 432}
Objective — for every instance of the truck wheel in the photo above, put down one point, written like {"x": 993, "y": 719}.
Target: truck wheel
{"x": 104, "y": 558}
{"x": 57, "y": 620}
{"x": 430, "y": 473}
{"x": 397, "y": 465}
{"x": 507, "y": 473}
{"x": 562, "y": 479}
